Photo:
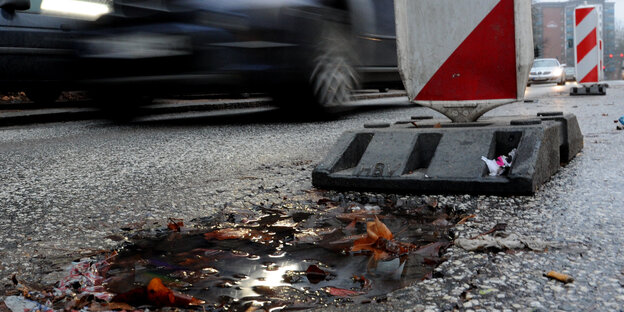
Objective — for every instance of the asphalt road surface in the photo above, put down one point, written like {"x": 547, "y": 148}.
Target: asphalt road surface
{"x": 72, "y": 189}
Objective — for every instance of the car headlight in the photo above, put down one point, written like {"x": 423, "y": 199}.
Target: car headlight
{"x": 557, "y": 72}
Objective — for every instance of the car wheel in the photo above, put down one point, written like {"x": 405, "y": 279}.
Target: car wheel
{"x": 528, "y": 85}
{"x": 329, "y": 76}
{"x": 333, "y": 77}
{"x": 43, "y": 96}
{"x": 562, "y": 82}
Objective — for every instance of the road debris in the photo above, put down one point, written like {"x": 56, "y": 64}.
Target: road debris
{"x": 339, "y": 292}
{"x": 620, "y": 123}
{"x": 175, "y": 224}
{"x": 379, "y": 240}
{"x": 564, "y": 278}
{"x": 499, "y": 227}
{"x": 156, "y": 294}
{"x": 501, "y": 164}
{"x": 466, "y": 218}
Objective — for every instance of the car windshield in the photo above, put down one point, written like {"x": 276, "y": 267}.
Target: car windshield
{"x": 545, "y": 63}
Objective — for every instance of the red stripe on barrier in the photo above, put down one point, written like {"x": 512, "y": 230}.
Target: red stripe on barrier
{"x": 586, "y": 45}
{"x": 592, "y": 76}
{"x": 484, "y": 65}
{"x": 581, "y": 14}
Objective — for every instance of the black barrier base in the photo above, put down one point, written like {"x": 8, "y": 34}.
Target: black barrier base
{"x": 596, "y": 89}
{"x": 429, "y": 156}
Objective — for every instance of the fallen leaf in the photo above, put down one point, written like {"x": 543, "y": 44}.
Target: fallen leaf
{"x": 564, "y": 278}
{"x": 379, "y": 240}
{"x": 340, "y": 292}
{"x": 438, "y": 125}
{"x": 237, "y": 233}
{"x": 351, "y": 226}
{"x": 135, "y": 297}
{"x": 175, "y": 224}
{"x": 315, "y": 275}
{"x": 157, "y": 294}
{"x": 496, "y": 228}
{"x": 464, "y": 219}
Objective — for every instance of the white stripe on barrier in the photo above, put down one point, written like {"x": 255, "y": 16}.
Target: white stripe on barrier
{"x": 586, "y": 26}
{"x": 587, "y": 63}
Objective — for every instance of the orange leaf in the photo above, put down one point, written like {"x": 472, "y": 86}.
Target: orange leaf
{"x": 175, "y": 224}
{"x": 382, "y": 229}
{"x": 371, "y": 230}
{"x": 464, "y": 219}
{"x": 159, "y": 295}
{"x": 237, "y": 233}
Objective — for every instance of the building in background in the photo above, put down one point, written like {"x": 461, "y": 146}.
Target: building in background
{"x": 553, "y": 33}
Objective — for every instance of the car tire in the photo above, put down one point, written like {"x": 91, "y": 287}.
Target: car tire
{"x": 43, "y": 96}
{"x": 333, "y": 77}
{"x": 562, "y": 82}
{"x": 528, "y": 85}
{"x": 329, "y": 76}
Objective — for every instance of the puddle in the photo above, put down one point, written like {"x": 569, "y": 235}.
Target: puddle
{"x": 288, "y": 260}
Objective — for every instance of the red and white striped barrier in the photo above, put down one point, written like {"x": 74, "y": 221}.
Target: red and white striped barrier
{"x": 587, "y": 43}
{"x": 463, "y": 58}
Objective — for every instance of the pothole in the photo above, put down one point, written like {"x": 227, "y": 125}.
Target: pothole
{"x": 263, "y": 259}
{"x": 289, "y": 259}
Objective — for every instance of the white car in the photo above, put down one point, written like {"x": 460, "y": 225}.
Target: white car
{"x": 547, "y": 70}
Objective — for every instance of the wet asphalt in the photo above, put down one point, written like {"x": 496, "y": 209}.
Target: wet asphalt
{"x": 70, "y": 190}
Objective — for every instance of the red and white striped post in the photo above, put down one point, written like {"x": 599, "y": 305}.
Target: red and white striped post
{"x": 587, "y": 43}
{"x": 463, "y": 58}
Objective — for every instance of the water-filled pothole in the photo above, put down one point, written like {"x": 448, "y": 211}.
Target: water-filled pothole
{"x": 289, "y": 259}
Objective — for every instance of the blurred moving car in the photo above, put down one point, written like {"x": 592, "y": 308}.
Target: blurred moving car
{"x": 546, "y": 70}
{"x": 311, "y": 52}
{"x": 36, "y": 53}
{"x": 570, "y": 73}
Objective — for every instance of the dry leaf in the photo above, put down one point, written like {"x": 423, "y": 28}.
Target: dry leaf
{"x": 560, "y": 277}
{"x": 340, "y": 292}
{"x": 315, "y": 275}
{"x": 464, "y": 219}
{"x": 379, "y": 240}
{"x": 237, "y": 233}
{"x": 175, "y": 224}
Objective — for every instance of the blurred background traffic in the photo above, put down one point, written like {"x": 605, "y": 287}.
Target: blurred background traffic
{"x": 302, "y": 53}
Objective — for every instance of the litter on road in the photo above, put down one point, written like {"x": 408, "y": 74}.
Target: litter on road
{"x": 501, "y": 164}
{"x": 564, "y": 278}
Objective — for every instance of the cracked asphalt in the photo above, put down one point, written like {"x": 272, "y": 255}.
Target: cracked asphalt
{"x": 70, "y": 190}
